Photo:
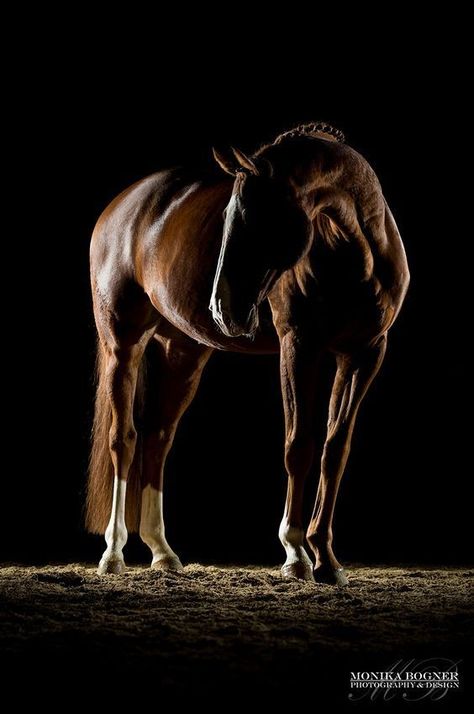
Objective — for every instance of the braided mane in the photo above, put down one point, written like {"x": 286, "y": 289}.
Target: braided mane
{"x": 320, "y": 128}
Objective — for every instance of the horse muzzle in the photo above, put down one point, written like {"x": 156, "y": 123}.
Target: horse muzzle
{"x": 231, "y": 325}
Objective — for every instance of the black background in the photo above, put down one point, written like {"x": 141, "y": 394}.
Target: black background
{"x": 94, "y": 116}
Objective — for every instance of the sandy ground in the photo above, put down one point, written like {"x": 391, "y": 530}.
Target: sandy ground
{"x": 238, "y": 629}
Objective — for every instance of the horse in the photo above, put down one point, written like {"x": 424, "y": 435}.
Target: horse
{"x": 290, "y": 250}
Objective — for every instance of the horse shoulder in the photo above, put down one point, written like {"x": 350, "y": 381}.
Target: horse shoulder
{"x": 118, "y": 237}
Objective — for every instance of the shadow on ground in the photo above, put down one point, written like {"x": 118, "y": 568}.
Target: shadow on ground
{"x": 242, "y": 630}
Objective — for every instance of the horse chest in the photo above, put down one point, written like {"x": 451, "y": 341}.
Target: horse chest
{"x": 334, "y": 316}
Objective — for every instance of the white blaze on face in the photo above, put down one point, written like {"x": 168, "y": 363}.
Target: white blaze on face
{"x": 229, "y": 213}
{"x": 116, "y": 533}
{"x": 152, "y": 527}
{"x": 220, "y": 284}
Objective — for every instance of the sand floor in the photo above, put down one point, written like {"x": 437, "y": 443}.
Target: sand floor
{"x": 241, "y": 630}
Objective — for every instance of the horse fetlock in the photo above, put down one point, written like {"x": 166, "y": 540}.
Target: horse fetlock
{"x": 327, "y": 568}
{"x": 116, "y": 537}
{"x": 164, "y": 557}
{"x": 155, "y": 540}
{"x": 319, "y": 541}
{"x": 297, "y": 563}
{"x": 290, "y": 535}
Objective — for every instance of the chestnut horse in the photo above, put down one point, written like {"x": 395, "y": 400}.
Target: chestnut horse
{"x": 293, "y": 251}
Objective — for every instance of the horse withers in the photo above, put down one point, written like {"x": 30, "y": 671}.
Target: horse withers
{"x": 182, "y": 264}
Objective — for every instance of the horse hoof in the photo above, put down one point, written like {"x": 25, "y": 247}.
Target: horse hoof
{"x": 301, "y": 571}
{"x": 170, "y": 563}
{"x": 111, "y": 566}
{"x": 331, "y": 576}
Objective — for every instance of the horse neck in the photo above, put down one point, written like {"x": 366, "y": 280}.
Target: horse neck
{"x": 308, "y": 168}
{"x": 332, "y": 213}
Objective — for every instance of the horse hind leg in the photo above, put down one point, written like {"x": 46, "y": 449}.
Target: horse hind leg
{"x": 121, "y": 368}
{"x": 353, "y": 379}
{"x": 124, "y": 332}
{"x": 174, "y": 369}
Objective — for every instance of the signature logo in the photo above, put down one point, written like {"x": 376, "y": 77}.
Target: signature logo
{"x": 412, "y": 680}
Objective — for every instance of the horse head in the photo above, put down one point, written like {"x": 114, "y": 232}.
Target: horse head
{"x": 266, "y": 232}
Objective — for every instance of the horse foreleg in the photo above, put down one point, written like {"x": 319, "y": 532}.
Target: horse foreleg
{"x": 353, "y": 378}
{"x": 175, "y": 367}
{"x": 298, "y": 379}
{"x": 122, "y": 371}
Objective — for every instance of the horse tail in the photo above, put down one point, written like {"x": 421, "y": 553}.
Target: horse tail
{"x": 101, "y": 474}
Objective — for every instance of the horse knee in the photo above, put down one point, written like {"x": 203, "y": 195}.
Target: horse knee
{"x": 299, "y": 451}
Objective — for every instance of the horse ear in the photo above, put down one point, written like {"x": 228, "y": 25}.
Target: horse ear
{"x": 245, "y": 162}
{"x": 226, "y": 163}
{"x": 258, "y": 167}
{"x": 232, "y": 164}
